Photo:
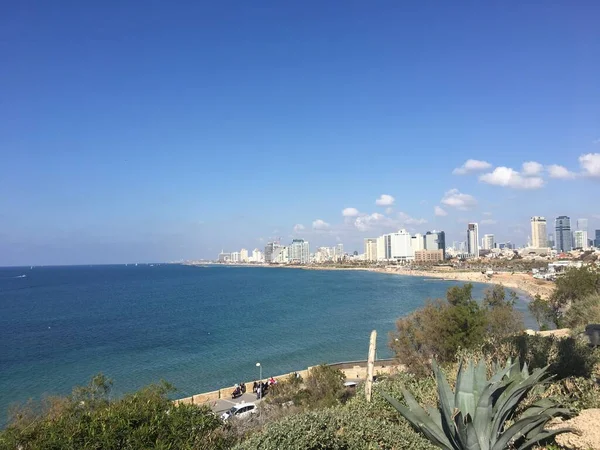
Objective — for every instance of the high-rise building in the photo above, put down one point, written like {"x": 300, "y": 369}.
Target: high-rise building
{"x": 597, "y": 239}
{"x": 488, "y": 241}
{"x": 381, "y": 248}
{"x": 473, "y": 239}
{"x": 582, "y": 226}
{"x": 401, "y": 246}
{"x": 436, "y": 240}
{"x": 299, "y": 252}
{"x": 551, "y": 240}
{"x": 244, "y": 255}
{"x": 538, "y": 232}
{"x": 371, "y": 249}
{"x": 338, "y": 252}
{"x": 235, "y": 257}
{"x": 580, "y": 239}
{"x": 562, "y": 226}
{"x": 257, "y": 256}
{"x": 417, "y": 242}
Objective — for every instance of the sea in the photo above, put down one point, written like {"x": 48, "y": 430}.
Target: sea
{"x": 199, "y": 328}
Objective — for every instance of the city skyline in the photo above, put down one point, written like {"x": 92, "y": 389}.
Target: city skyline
{"x": 204, "y": 127}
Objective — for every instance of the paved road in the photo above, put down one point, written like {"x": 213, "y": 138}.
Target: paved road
{"x": 224, "y": 404}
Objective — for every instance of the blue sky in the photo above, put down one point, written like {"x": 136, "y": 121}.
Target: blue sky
{"x": 157, "y": 131}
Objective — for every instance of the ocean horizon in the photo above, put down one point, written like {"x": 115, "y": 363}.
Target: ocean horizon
{"x": 199, "y": 328}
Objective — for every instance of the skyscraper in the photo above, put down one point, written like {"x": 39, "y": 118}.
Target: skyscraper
{"x": 597, "y": 239}
{"x": 371, "y": 249}
{"x": 562, "y": 226}
{"x": 582, "y": 234}
{"x": 538, "y": 232}
{"x": 299, "y": 252}
{"x": 435, "y": 240}
{"x": 473, "y": 240}
{"x": 488, "y": 241}
{"x": 580, "y": 239}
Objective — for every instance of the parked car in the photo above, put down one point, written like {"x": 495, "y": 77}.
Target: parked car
{"x": 240, "y": 410}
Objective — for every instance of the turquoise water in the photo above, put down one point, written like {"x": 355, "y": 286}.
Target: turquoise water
{"x": 198, "y": 328}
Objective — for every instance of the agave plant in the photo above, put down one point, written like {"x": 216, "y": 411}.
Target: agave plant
{"x": 475, "y": 416}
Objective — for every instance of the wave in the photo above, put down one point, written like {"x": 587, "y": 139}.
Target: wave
{"x": 12, "y": 278}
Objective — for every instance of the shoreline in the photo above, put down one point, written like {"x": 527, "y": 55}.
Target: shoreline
{"x": 520, "y": 281}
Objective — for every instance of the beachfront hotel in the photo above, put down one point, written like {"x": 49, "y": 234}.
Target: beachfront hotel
{"x": 538, "y": 232}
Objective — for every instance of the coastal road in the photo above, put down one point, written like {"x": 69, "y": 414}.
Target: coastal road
{"x": 224, "y": 404}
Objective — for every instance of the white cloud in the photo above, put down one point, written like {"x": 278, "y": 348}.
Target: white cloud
{"x": 320, "y": 225}
{"x": 455, "y": 199}
{"x": 507, "y": 177}
{"x": 439, "y": 211}
{"x": 471, "y": 165}
{"x": 590, "y": 163}
{"x": 350, "y": 212}
{"x": 556, "y": 171}
{"x": 408, "y": 220}
{"x": 366, "y": 222}
{"x": 531, "y": 168}
{"x": 389, "y": 210}
{"x": 298, "y": 228}
{"x": 385, "y": 200}
{"x": 488, "y": 222}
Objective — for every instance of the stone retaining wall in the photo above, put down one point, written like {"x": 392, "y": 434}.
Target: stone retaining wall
{"x": 351, "y": 369}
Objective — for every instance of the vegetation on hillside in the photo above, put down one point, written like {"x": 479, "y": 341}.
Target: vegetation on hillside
{"x": 577, "y": 290}
{"x": 318, "y": 412}
{"x": 482, "y": 414}
{"x": 442, "y": 327}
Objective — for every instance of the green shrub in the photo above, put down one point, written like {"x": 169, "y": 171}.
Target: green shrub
{"x": 334, "y": 428}
{"x": 146, "y": 419}
{"x": 583, "y": 312}
{"x": 567, "y": 357}
{"x": 572, "y": 287}
{"x": 442, "y": 328}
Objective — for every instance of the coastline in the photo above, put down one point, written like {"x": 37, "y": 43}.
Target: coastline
{"x": 523, "y": 282}
{"x": 519, "y": 281}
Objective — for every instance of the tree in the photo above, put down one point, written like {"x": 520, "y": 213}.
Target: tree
{"x": 324, "y": 386}
{"x": 501, "y": 317}
{"x": 574, "y": 285}
{"x": 541, "y": 310}
{"x": 439, "y": 329}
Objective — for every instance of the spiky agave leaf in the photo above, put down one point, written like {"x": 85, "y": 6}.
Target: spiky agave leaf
{"x": 509, "y": 400}
{"x": 420, "y": 420}
{"x": 473, "y": 417}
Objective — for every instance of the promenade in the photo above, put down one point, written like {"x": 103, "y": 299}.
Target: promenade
{"x": 220, "y": 400}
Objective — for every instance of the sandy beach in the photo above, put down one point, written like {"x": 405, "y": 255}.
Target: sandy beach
{"x": 520, "y": 281}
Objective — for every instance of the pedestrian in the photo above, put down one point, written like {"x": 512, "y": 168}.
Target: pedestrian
{"x": 254, "y": 387}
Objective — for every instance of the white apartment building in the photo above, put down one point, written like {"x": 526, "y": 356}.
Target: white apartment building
{"x": 580, "y": 239}
{"x": 257, "y": 256}
{"x": 370, "y": 249}
{"x": 244, "y": 255}
{"x": 381, "y": 248}
{"x": 417, "y": 242}
{"x": 235, "y": 257}
{"x": 299, "y": 252}
{"x": 488, "y": 242}
{"x": 539, "y": 233}
{"x": 473, "y": 239}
